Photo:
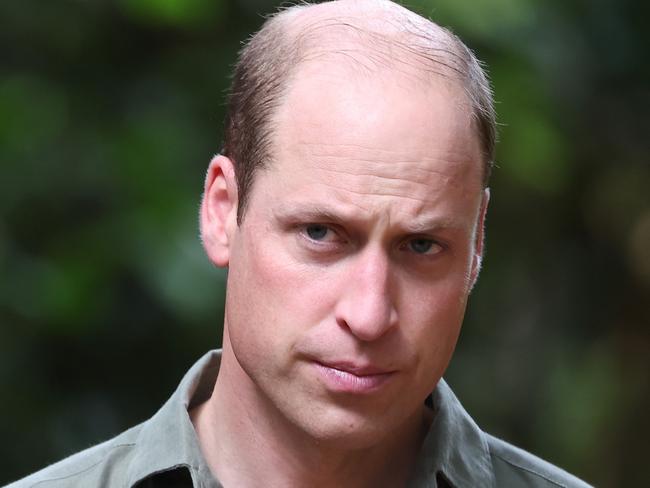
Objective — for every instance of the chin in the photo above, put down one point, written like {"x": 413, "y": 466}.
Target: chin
{"x": 348, "y": 437}
{"x": 348, "y": 430}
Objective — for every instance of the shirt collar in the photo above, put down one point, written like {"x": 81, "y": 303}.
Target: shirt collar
{"x": 454, "y": 446}
{"x": 168, "y": 440}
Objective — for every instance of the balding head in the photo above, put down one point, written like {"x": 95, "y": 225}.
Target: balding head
{"x": 365, "y": 37}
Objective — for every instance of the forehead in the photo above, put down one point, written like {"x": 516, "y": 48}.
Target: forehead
{"x": 378, "y": 116}
{"x": 384, "y": 144}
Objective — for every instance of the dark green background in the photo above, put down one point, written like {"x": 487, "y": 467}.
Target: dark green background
{"x": 109, "y": 114}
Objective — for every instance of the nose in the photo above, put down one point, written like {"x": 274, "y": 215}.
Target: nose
{"x": 366, "y": 306}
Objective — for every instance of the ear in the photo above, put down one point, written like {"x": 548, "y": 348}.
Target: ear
{"x": 218, "y": 217}
{"x": 479, "y": 238}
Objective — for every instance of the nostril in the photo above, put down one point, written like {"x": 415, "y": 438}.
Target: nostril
{"x": 342, "y": 323}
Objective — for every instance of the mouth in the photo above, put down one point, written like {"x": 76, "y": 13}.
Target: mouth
{"x": 353, "y": 378}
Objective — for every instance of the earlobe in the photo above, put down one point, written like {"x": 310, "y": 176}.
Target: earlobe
{"x": 480, "y": 238}
{"x": 218, "y": 215}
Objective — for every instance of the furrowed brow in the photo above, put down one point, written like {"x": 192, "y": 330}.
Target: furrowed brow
{"x": 297, "y": 213}
{"x": 426, "y": 225}
{"x": 308, "y": 213}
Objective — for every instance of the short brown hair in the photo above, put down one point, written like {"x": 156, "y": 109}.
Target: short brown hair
{"x": 267, "y": 61}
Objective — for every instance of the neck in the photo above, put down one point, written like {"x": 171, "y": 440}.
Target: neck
{"x": 246, "y": 443}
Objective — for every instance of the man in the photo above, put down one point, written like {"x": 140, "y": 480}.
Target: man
{"x": 349, "y": 205}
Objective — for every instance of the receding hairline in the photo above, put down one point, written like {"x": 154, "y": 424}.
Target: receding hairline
{"x": 376, "y": 35}
{"x": 369, "y": 12}
{"x": 340, "y": 26}
{"x": 357, "y": 34}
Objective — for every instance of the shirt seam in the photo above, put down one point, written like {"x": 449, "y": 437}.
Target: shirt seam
{"x": 529, "y": 470}
{"x": 88, "y": 468}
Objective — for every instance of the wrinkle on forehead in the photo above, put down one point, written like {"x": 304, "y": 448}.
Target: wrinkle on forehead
{"x": 366, "y": 159}
{"x": 373, "y": 182}
{"x": 412, "y": 179}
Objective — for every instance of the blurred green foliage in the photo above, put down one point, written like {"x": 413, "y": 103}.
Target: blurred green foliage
{"x": 109, "y": 114}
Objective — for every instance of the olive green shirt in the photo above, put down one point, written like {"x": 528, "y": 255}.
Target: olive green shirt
{"x": 164, "y": 451}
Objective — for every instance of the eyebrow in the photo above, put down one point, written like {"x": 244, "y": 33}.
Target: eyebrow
{"x": 328, "y": 214}
{"x": 316, "y": 213}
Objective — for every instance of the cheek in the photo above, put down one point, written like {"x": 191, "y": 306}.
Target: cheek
{"x": 268, "y": 287}
{"x": 434, "y": 318}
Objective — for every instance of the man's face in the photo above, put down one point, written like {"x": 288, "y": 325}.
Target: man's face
{"x": 350, "y": 272}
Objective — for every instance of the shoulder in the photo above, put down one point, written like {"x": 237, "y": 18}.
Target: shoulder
{"x": 516, "y": 467}
{"x": 102, "y": 465}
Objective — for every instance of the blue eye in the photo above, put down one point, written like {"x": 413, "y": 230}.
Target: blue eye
{"x": 421, "y": 246}
{"x": 316, "y": 232}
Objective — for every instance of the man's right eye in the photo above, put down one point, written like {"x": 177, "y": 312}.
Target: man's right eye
{"x": 322, "y": 239}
